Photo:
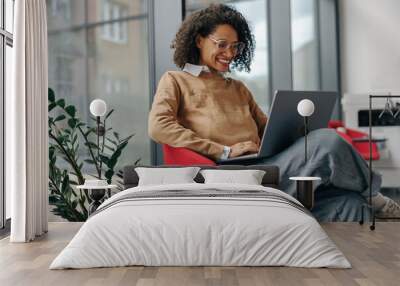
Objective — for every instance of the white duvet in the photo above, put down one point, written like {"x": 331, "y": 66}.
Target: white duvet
{"x": 200, "y": 231}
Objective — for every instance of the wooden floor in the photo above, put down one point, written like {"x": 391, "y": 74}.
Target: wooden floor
{"x": 375, "y": 257}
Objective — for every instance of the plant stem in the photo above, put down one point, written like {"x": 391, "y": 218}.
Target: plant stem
{"x": 102, "y": 147}
{"x": 90, "y": 149}
{"x": 71, "y": 160}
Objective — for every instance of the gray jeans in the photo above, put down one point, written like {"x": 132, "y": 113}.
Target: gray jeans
{"x": 330, "y": 157}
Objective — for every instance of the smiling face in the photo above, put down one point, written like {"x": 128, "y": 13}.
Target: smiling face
{"x": 217, "y": 58}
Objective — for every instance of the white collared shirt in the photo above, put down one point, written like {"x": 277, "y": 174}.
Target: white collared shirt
{"x": 195, "y": 70}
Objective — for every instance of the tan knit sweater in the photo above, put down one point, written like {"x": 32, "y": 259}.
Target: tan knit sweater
{"x": 204, "y": 113}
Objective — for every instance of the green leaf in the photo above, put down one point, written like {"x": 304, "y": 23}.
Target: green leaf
{"x": 51, "y": 106}
{"x": 89, "y": 161}
{"x": 122, "y": 146}
{"x": 76, "y": 148}
{"x": 59, "y": 118}
{"x": 116, "y": 135}
{"x": 50, "y": 95}
{"x": 112, "y": 141}
{"x": 53, "y": 199}
{"x": 104, "y": 159}
{"x": 112, "y": 162}
{"x": 90, "y": 130}
{"x": 116, "y": 154}
{"x": 60, "y": 103}
{"x": 109, "y": 174}
{"x": 61, "y": 139}
{"x": 109, "y": 148}
{"x": 72, "y": 122}
{"x": 128, "y": 137}
{"x": 91, "y": 144}
{"x": 65, "y": 183}
{"x": 71, "y": 110}
{"x": 109, "y": 113}
{"x": 51, "y": 151}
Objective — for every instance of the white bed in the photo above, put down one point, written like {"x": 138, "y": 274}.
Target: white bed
{"x": 184, "y": 230}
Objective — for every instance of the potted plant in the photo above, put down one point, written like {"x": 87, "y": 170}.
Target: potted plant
{"x": 73, "y": 150}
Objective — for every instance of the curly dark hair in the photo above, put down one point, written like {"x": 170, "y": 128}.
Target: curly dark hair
{"x": 203, "y": 23}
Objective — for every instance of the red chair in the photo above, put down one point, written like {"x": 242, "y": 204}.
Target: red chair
{"x": 184, "y": 157}
{"x": 358, "y": 139}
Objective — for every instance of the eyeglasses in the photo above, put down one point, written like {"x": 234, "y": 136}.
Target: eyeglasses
{"x": 237, "y": 47}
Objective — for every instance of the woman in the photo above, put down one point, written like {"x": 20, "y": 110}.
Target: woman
{"x": 202, "y": 109}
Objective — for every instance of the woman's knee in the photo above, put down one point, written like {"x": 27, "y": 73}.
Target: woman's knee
{"x": 329, "y": 139}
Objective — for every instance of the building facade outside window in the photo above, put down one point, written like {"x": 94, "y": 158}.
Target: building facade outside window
{"x": 101, "y": 51}
{"x": 118, "y": 31}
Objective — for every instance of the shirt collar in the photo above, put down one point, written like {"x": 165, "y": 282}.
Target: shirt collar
{"x": 195, "y": 70}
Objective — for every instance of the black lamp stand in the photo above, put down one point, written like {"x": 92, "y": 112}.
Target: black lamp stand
{"x": 305, "y": 138}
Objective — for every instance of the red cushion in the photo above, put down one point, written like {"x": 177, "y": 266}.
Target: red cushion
{"x": 184, "y": 157}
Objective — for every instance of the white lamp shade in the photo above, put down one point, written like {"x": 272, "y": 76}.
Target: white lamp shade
{"x": 98, "y": 107}
{"x": 305, "y": 107}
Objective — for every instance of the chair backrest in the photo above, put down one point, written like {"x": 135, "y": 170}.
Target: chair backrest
{"x": 184, "y": 157}
{"x": 335, "y": 124}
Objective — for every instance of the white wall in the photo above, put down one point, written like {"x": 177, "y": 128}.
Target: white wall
{"x": 370, "y": 45}
{"x": 370, "y": 64}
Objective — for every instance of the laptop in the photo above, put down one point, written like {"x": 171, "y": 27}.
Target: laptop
{"x": 285, "y": 125}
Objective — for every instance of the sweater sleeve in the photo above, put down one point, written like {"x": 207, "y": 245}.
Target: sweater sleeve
{"x": 163, "y": 125}
{"x": 258, "y": 115}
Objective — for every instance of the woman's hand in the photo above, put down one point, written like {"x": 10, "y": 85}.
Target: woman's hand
{"x": 242, "y": 148}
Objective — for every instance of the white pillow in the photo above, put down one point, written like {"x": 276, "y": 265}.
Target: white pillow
{"x": 165, "y": 176}
{"x": 248, "y": 177}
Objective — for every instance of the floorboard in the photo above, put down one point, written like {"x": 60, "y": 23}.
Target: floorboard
{"x": 375, "y": 257}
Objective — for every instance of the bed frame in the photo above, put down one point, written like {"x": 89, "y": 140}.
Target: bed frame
{"x": 271, "y": 177}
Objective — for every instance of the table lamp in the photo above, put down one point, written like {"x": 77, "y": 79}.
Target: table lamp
{"x": 98, "y": 108}
{"x": 305, "y": 108}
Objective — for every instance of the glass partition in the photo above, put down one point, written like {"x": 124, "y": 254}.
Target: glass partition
{"x": 305, "y": 49}
{"x": 9, "y": 16}
{"x": 99, "y": 49}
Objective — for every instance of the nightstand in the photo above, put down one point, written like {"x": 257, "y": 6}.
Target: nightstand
{"x": 96, "y": 193}
{"x": 305, "y": 190}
